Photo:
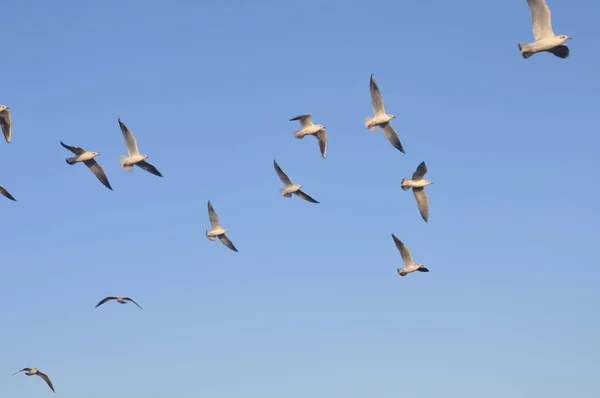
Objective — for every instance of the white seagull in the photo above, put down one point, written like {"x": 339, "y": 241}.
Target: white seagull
{"x": 290, "y": 187}
{"x": 135, "y": 158}
{"x": 81, "y": 155}
{"x": 380, "y": 118}
{"x": 4, "y": 192}
{"x": 309, "y": 128}
{"x": 5, "y": 122}
{"x": 417, "y": 182}
{"x": 545, "y": 39}
{"x": 409, "y": 264}
{"x": 217, "y": 230}
{"x": 120, "y": 300}
{"x": 36, "y": 371}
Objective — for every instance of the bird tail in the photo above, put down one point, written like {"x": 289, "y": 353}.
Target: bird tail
{"x": 287, "y": 195}
{"x": 523, "y": 48}
{"x": 367, "y": 121}
{"x": 297, "y": 134}
{"x": 401, "y": 272}
{"x": 209, "y": 237}
{"x": 70, "y": 161}
{"x": 402, "y": 186}
{"x": 122, "y": 161}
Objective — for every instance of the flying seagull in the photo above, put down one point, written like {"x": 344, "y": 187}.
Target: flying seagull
{"x": 120, "y": 299}
{"x": 88, "y": 159}
{"x": 135, "y": 158}
{"x": 417, "y": 182}
{"x": 217, "y": 230}
{"x": 409, "y": 264}
{"x": 316, "y": 130}
{"x": 4, "y": 192}
{"x": 5, "y": 122}
{"x": 380, "y": 118}
{"x": 36, "y": 371}
{"x": 290, "y": 187}
{"x": 545, "y": 39}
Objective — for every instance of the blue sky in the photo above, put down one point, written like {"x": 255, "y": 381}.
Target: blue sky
{"x": 311, "y": 305}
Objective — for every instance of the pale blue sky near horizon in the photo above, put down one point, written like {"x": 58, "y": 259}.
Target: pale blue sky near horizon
{"x": 311, "y": 305}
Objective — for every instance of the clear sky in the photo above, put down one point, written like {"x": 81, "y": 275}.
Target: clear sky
{"x": 311, "y": 306}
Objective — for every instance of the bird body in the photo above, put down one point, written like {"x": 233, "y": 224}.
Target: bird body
{"x": 406, "y": 183}
{"x": 81, "y": 158}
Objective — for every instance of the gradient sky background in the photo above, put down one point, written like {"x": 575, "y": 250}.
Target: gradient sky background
{"x": 311, "y": 306}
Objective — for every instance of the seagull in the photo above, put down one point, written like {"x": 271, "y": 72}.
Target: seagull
{"x": 409, "y": 264}
{"x": 316, "y": 130}
{"x": 88, "y": 159}
{"x": 418, "y": 183}
{"x": 545, "y": 39}
{"x": 36, "y": 371}
{"x": 380, "y": 118}
{"x": 5, "y": 122}
{"x": 135, "y": 158}
{"x": 120, "y": 299}
{"x": 217, "y": 230}
{"x": 4, "y": 192}
{"x": 290, "y": 187}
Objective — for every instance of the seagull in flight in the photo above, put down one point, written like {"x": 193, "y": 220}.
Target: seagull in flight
{"x": 545, "y": 39}
{"x": 417, "y": 182}
{"x": 120, "y": 300}
{"x": 81, "y": 155}
{"x": 380, "y": 118}
{"x": 36, "y": 371}
{"x": 135, "y": 158}
{"x": 409, "y": 264}
{"x": 5, "y": 122}
{"x": 217, "y": 230}
{"x": 4, "y": 192}
{"x": 309, "y": 128}
{"x": 290, "y": 187}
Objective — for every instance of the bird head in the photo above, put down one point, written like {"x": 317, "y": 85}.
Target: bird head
{"x": 145, "y": 156}
{"x": 564, "y": 38}
{"x": 3, "y": 107}
{"x": 94, "y": 154}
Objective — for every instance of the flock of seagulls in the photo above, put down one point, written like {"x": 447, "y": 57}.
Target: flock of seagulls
{"x": 545, "y": 40}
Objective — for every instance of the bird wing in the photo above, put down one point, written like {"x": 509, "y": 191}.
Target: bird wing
{"x": 22, "y": 370}
{"x": 45, "y": 377}
{"x": 149, "y": 168}
{"x": 225, "y": 240}
{"x": 303, "y": 195}
{"x": 282, "y": 176}
{"x": 540, "y": 19}
{"x": 75, "y": 149}
{"x": 214, "y": 219}
{"x": 4, "y": 192}
{"x": 130, "y": 140}
{"x": 305, "y": 120}
{"x": 376, "y": 98}
{"x": 6, "y": 122}
{"x": 98, "y": 172}
{"x": 392, "y": 136}
{"x": 561, "y": 51}
{"x": 133, "y": 301}
{"x": 104, "y": 300}
{"x": 420, "y": 172}
{"x": 322, "y": 138}
{"x": 422, "y": 202}
{"x": 404, "y": 252}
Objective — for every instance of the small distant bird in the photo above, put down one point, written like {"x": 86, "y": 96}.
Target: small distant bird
{"x": 88, "y": 159}
{"x": 5, "y": 122}
{"x": 135, "y": 158}
{"x": 545, "y": 39}
{"x": 417, "y": 182}
{"x": 316, "y": 130}
{"x": 290, "y": 187}
{"x": 409, "y": 264}
{"x": 36, "y": 371}
{"x": 380, "y": 118}
{"x": 4, "y": 192}
{"x": 217, "y": 230}
{"x": 120, "y": 300}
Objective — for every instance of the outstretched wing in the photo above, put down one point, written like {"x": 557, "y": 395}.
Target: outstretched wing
{"x": 305, "y": 120}
{"x": 376, "y": 97}
{"x": 282, "y": 176}
{"x": 22, "y": 370}
{"x": 560, "y": 51}
{"x": 133, "y": 301}
{"x": 392, "y": 136}
{"x": 104, "y": 300}
{"x": 4, "y": 192}
{"x": 541, "y": 19}
{"x": 212, "y": 215}
{"x": 404, "y": 252}
{"x": 149, "y": 168}
{"x": 422, "y": 202}
{"x": 420, "y": 172}
{"x": 98, "y": 172}
{"x": 225, "y": 240}
{"x": 6, "y": 123}
{"x": 303, "y": 195}
{"x": 322, "y": 138}
{"x": 45, "y": 377}
{"x": 75, "y": 149}
{"x": 130, "y": 140}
